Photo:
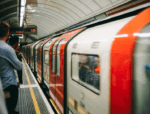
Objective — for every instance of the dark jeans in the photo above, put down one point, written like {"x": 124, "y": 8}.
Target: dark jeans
{"x": 11, "y": 102}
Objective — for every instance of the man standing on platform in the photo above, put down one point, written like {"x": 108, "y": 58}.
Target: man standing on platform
{"x": 13, "y": 41}
{"x": 8, "y": 62}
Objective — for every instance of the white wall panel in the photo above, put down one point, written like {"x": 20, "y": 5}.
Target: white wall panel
{"x": 47, "y": 19}
{"x": 91, "y": 4}
{"x": 56, "y": 15}
{"x": 49, "y": 13}
{"x": 103, "y": 3}
{"x": 70, "y": 12}
{"x": 115, "y": 1}
{"x": 55, "y": 9}
{"x": 81, "y": 6}
{"x": 71, "y": 6}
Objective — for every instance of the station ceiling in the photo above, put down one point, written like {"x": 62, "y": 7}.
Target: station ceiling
{"x": 53, "y": 15}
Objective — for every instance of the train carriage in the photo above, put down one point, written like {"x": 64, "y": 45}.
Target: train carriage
{"x": 32, "y": 55}
{"x": 35, "y": 58}
{"x": 57, "y": 68}
{"x": 40, "y": 59}
{"x": 45, "y": 60}
{"x": 121, "y": 50}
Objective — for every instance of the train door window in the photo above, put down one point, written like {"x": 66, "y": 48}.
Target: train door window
{"x": 86, "y": 70}
{"x": 46, "y": 57}
{"x": 54, "y": 56}
{"x": 35, "y": 53}
{"x": 46, "y": 65}
{"x": 31, "y": 56}
{"x": 58, "y": 57}
{"x": 39, "y": 57}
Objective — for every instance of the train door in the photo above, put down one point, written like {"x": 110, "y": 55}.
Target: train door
{"x": 32, "y": 56}
{"x": 46, "y": 65}
{"x": 28, "y": 53}
{"x": 36, "y": 59}
{"x": 85, "y": 71}
{"x": 141, "y": 79}
{"x": 53, "y": 71}
{"x": 39, "y": 62}
{"x": 35, "y": 56}
{"x": 42, "y": 54}
{"x": 59, "y": 79}
{"x": 46, "y": 68}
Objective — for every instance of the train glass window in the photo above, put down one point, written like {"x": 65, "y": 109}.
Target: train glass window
{"x": 86, "y": 70}
{"x": 39, "y": 53}
{"x": 54, "y": 56}
{"x": 46, "y": 57}
{"x": 46, "y": 65}
{"x": 58, "y": 57}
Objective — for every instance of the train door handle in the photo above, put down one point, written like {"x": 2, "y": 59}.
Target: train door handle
{"x": 82, "y": 95}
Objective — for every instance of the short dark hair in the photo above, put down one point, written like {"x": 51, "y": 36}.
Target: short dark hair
{"x": 4, "y": 28}
{"x": 13, "y": 40}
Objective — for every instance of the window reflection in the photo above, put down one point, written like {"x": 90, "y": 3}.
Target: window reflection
{"x": 39, "y": 57}
{"x": 88, "y": 69}
{"x": 46, "y": 59}
{"x": 54, "y": 56}
{"x": 58, "y": 57}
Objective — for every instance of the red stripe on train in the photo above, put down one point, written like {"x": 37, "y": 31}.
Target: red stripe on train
{"x": 121, "y": 65}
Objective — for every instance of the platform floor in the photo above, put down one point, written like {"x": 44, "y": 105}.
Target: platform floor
{"x": 31, "y": 99}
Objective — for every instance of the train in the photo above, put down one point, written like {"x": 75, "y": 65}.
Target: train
{"x": 98, "y": 69}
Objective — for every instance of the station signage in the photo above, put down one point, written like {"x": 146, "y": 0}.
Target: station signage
{"x": 24, "y": 30}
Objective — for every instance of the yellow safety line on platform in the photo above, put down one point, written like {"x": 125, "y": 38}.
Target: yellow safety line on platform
{"x": 32, "y": 93}
{"x": 38, "y": 80}
{"x": 58, "y": 112}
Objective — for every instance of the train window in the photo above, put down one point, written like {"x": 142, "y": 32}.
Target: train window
{"x": 54, "y": 56}
{"x": 86, "y": 70}
{"x": 58, "y": 57}
{"x": 46, "y": 66}
{"x": 46, "y": 57}
{"x": 39, "y": 57}
{"x": 31, "y": 53}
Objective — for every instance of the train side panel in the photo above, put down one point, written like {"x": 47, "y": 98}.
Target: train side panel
{"x": 60, "y": 68}
{"x": 123, "y": 87}
{"x": 32, "y": 55}
{"x": 88, "y": 68}
{"x": 39, "y": 59}
{"x": 46, "y": 63}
